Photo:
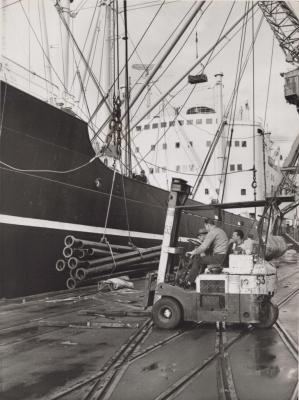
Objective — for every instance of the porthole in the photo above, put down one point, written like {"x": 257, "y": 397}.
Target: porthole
{"x": 98, "y": 183}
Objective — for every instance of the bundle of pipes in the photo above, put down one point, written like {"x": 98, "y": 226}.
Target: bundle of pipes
{"x": 87, "y": 261}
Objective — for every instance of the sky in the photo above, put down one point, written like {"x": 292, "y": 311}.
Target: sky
{"x": 19, "y": 43}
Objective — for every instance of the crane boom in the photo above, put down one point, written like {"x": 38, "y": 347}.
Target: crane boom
{"x": 285, "y": 26}
{"x": 284, "y": 23}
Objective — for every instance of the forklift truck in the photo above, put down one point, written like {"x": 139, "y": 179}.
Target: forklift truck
{"x": 240, "y": 293}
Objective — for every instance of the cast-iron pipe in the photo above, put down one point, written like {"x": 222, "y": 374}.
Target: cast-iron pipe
{"x": 60, "y": 265}
{"x": 82, "y": 273}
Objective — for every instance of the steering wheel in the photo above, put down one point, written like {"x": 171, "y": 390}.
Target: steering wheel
{"x": 195, "y": 242}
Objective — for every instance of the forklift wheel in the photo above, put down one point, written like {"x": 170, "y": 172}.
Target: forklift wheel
{"x": 268, "y": 314}
{"x": 167, "y": 313}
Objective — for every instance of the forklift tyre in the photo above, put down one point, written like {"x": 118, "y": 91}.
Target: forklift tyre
{"x": 269, "y": 315}
{"x": 167, "y": 313}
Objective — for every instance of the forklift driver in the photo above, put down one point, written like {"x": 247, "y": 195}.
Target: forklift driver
{"x": 217, "y": 242}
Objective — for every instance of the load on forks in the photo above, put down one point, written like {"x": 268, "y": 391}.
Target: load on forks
{"x": 240, "y": 293}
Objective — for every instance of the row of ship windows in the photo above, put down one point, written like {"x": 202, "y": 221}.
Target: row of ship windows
{"x": 177, "y": 145}
{"x": 242, "y": 191}
{"x": 237, "y": 143}
{"x": 191, "y": 167}
{"x": 155, "y": 125}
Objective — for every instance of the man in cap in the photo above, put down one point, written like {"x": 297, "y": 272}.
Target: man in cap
{"x": 186, "y": 264}
{"x": 200, "y": 238}
{"x": 215, "y": 240}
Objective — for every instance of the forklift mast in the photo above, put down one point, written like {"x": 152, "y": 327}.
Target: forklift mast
{"x": 179, "y": 193}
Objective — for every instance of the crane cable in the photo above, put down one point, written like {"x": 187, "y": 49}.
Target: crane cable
{"x": 3, "y": 107}
{"x": 234, "y": 106}
{"x": 265, "y": 119}
{"x": 254, "y": 183}
{"x": 212, "y": 148}
{"x": 104, "y": 238}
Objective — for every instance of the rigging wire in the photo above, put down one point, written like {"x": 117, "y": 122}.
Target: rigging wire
{"x": 109, "y": 205}
{"x": 40, "y": 170}
{"x": 187, "y": 84}
{"x": 29, "y": 47}
{"x": 170, "y": 63}
{"x": 221, "y": 123}
{"x": 119, "y": 73}
{"x": 269, "y": 81}
{"x": 62, "y": 52}
{"x": 149, "y": 4}
{"x": 40, "y": 45}
{"x": 82, "y": 89}
{"x": 193, "y": 67}
{"x": 44, "y": 59}
{"x": 114, "y": 46}
{"x": 117, "y": 48}
{"x": 31, "y": 72}
{"x": 142, "y": 160}
{"x": 98, "y": 102}
{"x": 105, "y": 123}
{"x": 147, "y": 29}
{"x": 130, "y": 8}
{"x": 265, "y": 118}
{"x": 233, "y": 94}
{"x": 2, "y": 107}
{"x": 191, "y": 91}
{"x": 168, "y": 39}
{"x": 196, "y": 174}
{"x": 100, "y": 71}
{"x": 125, "y": 201}
{"x": 183, "y": 44}
{"x": 48, "y": 170}
{"x": 86, "y": 38}
{"x": 10, "y": 4}
{"x": 92, "y": 75}
{"x": 118, "y": 76}
{"x": 173, "y": 59}
{"x": 234, "y": 104}
{"x": 80, "y": 6}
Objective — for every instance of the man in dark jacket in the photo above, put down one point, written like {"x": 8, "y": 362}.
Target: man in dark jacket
{"x": 142, "y": 177}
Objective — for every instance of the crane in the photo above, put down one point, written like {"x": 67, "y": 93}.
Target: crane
{"x": 283, "y": 18}
{"x": 284, "y": 22}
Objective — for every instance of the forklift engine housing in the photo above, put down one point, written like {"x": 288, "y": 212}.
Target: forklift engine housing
{"x": 237, "y": 295}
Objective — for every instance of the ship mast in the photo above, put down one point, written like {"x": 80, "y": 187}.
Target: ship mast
{"x": 45, "y": 41}
{"x": 128, "y": 154}
{"x": 3, "y": 39}
{"x": 65, "y": 11}
{"x": 220, "y": 149}
{"x": 109, "y": 52}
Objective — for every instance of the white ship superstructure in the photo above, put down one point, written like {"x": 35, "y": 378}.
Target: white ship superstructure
{"x": 176, "y": 146}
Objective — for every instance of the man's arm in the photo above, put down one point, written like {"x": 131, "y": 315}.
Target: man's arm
{"x": 205, "y": 244}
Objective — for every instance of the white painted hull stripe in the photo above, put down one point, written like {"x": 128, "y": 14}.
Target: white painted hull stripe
{"x": 65, "y": 226}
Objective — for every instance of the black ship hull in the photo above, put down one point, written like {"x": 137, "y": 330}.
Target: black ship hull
{"x": 40, "y": 203}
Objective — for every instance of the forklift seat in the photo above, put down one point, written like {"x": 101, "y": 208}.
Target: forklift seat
{"x": 214, "y": 269}
{"x": 217, "y": 268}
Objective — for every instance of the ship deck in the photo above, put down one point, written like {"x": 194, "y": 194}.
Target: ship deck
{"x": 87, "y": 344}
